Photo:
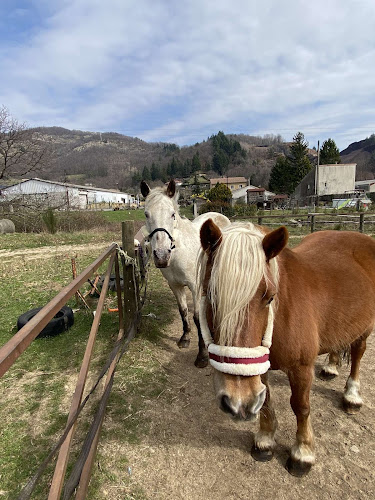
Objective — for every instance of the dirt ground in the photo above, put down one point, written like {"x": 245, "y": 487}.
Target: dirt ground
{"x": 26, "y": 254}
{"x": 194, "y": 451}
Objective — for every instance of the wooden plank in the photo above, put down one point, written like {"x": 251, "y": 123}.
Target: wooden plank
{"x": 130, "y": 301}
{"x": 62, "y": 460}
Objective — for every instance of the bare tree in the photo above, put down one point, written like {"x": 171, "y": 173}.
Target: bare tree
{"x": 21, "y": 149}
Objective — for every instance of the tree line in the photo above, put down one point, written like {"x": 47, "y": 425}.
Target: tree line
{"x": 226, "y": 152}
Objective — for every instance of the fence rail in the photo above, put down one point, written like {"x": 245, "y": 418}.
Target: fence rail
{"x": 311, "y": 219}
{"x": 128, "y": 320}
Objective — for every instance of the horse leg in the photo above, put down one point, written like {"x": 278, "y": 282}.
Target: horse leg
{"x": 264, "y": 439}
{"x": 352, "y": 401}
{"x": 202, "y": 356}
{"x": 329, "y": 371}
{"x": 302, "y": 455}
{"x": 180, "y": 294}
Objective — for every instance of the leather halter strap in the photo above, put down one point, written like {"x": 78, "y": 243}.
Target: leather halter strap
{"x": 165, "y": 231}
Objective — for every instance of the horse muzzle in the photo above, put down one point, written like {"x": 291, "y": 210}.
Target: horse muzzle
{"x": 162, "y": 257}
{"x": 241, "y": 411}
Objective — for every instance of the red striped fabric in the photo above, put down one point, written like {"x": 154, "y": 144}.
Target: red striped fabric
{"x": 239, "y": 361}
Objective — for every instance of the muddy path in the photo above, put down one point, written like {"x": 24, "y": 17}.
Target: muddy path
{"x": 194, "y": 451}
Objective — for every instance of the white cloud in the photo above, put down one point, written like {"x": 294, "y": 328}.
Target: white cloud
{"x": 183, "y": 70}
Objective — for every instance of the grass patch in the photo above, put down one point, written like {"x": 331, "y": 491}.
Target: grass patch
{"x": 122, "y": 215}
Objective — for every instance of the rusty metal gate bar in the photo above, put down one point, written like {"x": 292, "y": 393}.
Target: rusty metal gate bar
{"x": 23, "y": 338}
{"x": 86, "y": 472}
{"x": 62, "y": 460}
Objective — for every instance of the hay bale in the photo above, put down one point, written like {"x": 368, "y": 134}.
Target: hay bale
{"x": 7, "y": 226}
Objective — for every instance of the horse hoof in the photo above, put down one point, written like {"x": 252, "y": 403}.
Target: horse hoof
{"x": 201, "y": 362}
{"x": 351, "y": 408}
{"x": 327, "y": 375}
{"x": 183, "y": 343}
{"x": 297, "y": 469}
{"x": 261, "y": 455}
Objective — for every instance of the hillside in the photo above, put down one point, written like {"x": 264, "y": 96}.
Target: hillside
{"x": 362, "y": 153}
{"x": 113, "y": 160}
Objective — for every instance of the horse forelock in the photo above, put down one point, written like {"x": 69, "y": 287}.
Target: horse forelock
{"x": 238, "y": 267}
{"x": 160, "y": 194}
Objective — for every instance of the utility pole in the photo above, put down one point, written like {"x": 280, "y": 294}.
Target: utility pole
{"x": 317, "y": 179}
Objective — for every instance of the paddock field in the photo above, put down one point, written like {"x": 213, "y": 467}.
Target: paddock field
{"x": 163, "y": 436}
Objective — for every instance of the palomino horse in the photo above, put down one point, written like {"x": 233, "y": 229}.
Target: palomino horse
{"x": 267, "y": 306}
{"x": 175, "y": 245}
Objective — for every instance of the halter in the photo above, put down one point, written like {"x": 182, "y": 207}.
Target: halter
{"x": 245, "y": 361}
{"x": 165, "y": 231}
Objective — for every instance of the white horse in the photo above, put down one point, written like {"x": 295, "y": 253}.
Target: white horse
{"x": 175, "y": 243}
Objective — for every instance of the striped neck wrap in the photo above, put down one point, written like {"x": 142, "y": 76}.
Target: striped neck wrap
{"x": 245, "y": 361}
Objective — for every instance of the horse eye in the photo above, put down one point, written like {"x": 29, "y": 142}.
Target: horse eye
{"x": 147, "y": 215}
{"x": 173, "y": 216}
{"x": 270, "y": 300}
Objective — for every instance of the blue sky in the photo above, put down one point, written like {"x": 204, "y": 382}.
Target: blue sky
{"x": 181, "y": 71}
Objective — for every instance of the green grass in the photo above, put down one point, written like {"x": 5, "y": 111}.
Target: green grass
{"x": 37, "y": 390}
{"x": 122, "y": 215}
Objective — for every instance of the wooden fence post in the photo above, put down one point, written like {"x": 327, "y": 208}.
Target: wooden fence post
{"x": 361, "y": 222}
{"x": 312, "y": 223}
{"x": 130, "y": 288}
{"x": 260, "y": 220}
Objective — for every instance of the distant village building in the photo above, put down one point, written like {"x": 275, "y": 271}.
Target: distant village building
{"x": 328, "y": 180}
{"x": 366, "y": 186}
{"x": 233, "y": 183}
{"x": 251, "y": 194}
{"x": 197, "y": 181}
{"x": 63, "y": 195}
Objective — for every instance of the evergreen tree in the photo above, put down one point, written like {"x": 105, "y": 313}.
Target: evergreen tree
{"x": 187, "y": 169}
{"x": 281, "y": 177}
{"x": 329, "y": 153}
{"x": 155, "y": 172}
{"x": 146, "y": 175}
{"x": 196, "y": 163}
{"x": 172, "y": 168}
{"x": 298, "y": 161}
{"x": 220, "y": 162}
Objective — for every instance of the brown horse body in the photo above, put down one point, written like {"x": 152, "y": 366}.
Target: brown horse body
{"x": 326, "y": 297}
{"x": 324, "y": 292}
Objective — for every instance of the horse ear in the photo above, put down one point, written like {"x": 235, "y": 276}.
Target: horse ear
{"x": 210, "y": 235}
{"x": 145, "y": 189}
{"x": 171, "y": 188}
{"x": 274, "y": 242}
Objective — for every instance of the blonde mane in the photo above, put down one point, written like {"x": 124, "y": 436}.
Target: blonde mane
{"x": 239, "y": 265}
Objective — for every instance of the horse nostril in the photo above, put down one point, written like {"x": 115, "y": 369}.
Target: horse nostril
{"x": 155, "y": 253}
{"x": 225, "y": 405}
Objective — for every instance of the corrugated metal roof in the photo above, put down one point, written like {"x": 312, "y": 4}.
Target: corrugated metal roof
{"x": 66, "y": 184}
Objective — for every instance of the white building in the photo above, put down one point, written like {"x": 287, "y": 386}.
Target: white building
{"x": 241, "y": 193}
{"x": 62, "y": 195}
{"x": 331, "y": 179}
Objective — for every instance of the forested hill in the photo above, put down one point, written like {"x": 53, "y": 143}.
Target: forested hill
{"x": 113, "y": 160}
{"x": 362, "y": 153}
